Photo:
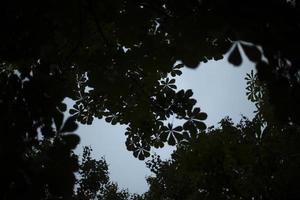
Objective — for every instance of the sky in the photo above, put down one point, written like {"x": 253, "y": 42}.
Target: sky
{"x": 219, "y": 89}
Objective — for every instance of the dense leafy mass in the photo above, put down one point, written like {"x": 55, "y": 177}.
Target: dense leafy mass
{"x": 257, "y": 159}
{"x": 94, "y": 182}
{"x": 117, "y": 60}
{"x": 231, "y": 162}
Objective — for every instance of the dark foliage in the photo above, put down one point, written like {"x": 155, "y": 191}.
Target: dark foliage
{"x": 256, "y": 159}
{"x": 94, "y": 183}
{"x": 231, "y": 162}
{"x": 116, "y": 60}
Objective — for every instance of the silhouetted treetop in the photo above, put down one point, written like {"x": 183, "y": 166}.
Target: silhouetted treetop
{"x": 94, "y": 181}
{"x": 231, "y": 162}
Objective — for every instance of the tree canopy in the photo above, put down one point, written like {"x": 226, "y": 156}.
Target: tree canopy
{"x": 117, "y": 60}
{"x": 231, "y": 162}
{"x": 255, "y": 159}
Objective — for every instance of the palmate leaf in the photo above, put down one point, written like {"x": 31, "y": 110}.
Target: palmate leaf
{"x": 142, "y": 151}
{"x": 168, "y": 84}
{"x": 176, "y": 70}
{"x": 194, "y": 121}
{"x": 77, "y": 110}
{"x": 171, "y": 135}
{"x": 182, "y": 106}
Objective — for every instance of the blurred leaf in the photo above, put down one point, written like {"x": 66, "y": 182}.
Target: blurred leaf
{"x": 58, "y": 119}
{"x": 252, "y": 52}
{"x": 69, "y": 126}
{"x": 71, "y": 140}
{"x": 235, "y": 56}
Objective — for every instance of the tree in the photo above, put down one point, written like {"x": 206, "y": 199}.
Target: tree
{"x": 231, "y": 162}
{"x": 119, "y": 66}
{"x": 94, "y": 183}
{"x": 256, "y": 159}
{"x": 40, "y": 48}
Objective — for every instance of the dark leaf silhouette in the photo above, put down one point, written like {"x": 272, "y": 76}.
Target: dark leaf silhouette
{"x": 69, "y": 125}
{"x": 252, "y": 52}
{"x": 71, "y": 140}
{"x": 235, "y": 57}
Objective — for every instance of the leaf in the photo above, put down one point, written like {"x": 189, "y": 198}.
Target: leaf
{"x": 173, "y": 87}
{"x": 136, "y": 153}
{"x": 62, "y": 107}
{"x": 72, "y": 111}
{"x": 252, "y": 52}
{"x": 108, "y": 119}
{"x": 89, "y": 120}
{"x": 163, "y": 136}
{"x": 178, "y": 66}
{"x": 114, "y": 121}
{"x": 200, "y": 125}
{"x": 187, "y": 125}
{"x": 70, "y": 125}
{"x": 191, "y": 61}
{"x": 201, "y": 116}
{"x": 129, "y": 145}
{"x": 71, "y": 140}
{"x": 178, "y": 129}
{"x": 146, "y": 153}
{"x": 235, "y": 57}
{"x": 189, "y": 93}
{"x": 171, "y": 140}
{"x": 58, "y": 119}
{"x": 176, "y": 73}
{"x": 141, "y": 156}
{"x": 172, "y": 81}
{"x": 178, "y": 136}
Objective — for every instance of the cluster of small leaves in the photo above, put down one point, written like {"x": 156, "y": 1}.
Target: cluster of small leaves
{"x": 93, "y": 176}
{"x": 176, "y": 70}
{"x": 154, "y": 163}
{"x": 136, "y": 142}
{"x": 144, "y": 110}
{"x": 81, "y": 114}
{"x": 195, "y": 121}
{"x": 82, "y": 109}
{"x": 254, "y": 91}
{"x": 170, "y": 103}
{"x": 94, "y": 183}
{"x": 257, "y": 93}
{"x": 52, "y": 159}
